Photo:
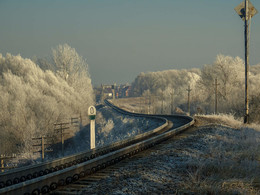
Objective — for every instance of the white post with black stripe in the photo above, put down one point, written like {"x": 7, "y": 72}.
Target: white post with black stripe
{"x": 92, "y": 115}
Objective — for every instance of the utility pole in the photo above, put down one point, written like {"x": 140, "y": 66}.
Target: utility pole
{"x": 140, "y": 105}
{"x": 153, "y": 107}
{"x": 102, "y": 93}
{"x": 149, "y": 104}
{"x": 80, "y": 120}
{"x": 172, "y": 101}
{"x": 113, "y": 91}
{"x": 60, "y": 129}
{"x": 6, "y": 157}
{"x": 75, "y": 121}
{"x": 162, "y": 103}
{"x": 216, "y": 95}
{"x": 246, "y": 11}
{"x": 188, "y": 104}
{"x": 246, "y": 117}
{"x": 43, "y": 145}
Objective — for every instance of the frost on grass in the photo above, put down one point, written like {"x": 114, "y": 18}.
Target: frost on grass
{"x": 113, "y": 126}
{"x": 110, "y": 126}
{"x": 209, "y": 161}
{"x": 220, "y": 119}
{"x": 223, "y": 160}
{"x": 213, "y": 159}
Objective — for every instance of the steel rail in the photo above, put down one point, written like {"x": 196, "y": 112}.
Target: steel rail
{"x": 23, "y": 176}
{"x": 139, "y": 147}
{"x": 89, "y": 162}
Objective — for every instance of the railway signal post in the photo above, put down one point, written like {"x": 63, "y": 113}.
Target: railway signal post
{"x": 246, "y": 11}
{"x": 92, "y": 115}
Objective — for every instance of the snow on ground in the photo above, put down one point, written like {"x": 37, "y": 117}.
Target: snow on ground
{"x": 222, "y": 158}
{"x": 122, "y": 126}
{"x": 212, "y": 159}
{"x": 111, "y": 126}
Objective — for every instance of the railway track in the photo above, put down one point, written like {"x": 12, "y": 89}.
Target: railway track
{"x": 126, "y": 176}
{"x": 48, "y": 176}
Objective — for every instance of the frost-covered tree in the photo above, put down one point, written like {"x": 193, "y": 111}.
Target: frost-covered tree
{"x": 171, "y": 86}
{"x": 254, "y": 93}
{"x": 164, "y": 86}
{"x": 69, "y": 64}
{"x": 229, "y": 73}
{"x": 44, "y": 63}
{"x": 73, "y": 69}
{"x": 32, "y": 100}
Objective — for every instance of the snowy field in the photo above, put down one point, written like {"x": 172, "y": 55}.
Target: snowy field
{"x": 212, "y": 159}
{"x": 220, "y": 155}
{"x": 111, "y": 127}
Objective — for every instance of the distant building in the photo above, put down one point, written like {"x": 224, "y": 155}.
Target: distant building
{"x": 126, "y": 91}
{"x": 108, "y": 91}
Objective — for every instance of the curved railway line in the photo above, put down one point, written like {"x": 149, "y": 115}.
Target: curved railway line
{"x": 48, "y": 176}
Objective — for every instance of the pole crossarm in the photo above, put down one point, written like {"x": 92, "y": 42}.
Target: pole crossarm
{"x": 44, "y": 142}
{"x": 60, "y": 129}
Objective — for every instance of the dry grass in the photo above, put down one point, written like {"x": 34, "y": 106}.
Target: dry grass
{"x": 222, "y": 157}
{"x": 229, "y": 165}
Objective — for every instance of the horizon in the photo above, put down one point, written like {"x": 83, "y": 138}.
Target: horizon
{"x": 120, "y": 39}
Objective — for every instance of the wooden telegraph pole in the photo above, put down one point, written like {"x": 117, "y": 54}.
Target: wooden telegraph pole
{"x": 60, "y": 127}
{"x": 188, "y": 104}
{"x": 149, "y": 104}
{"x": 216, "y": 95}
{"x": 43, "y": 143}
{"x": 6, "y": 157}
{"x": 246, "y": 11}
{"x": 162, "y": 103}
{"x": 172, "y": 101}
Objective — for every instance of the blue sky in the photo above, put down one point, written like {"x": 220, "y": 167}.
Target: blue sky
{"x": 121, "y": 38}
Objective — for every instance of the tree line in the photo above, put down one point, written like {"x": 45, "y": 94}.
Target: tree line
{"x": 171, "y": 87}
{"x": 37, "y": 93}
